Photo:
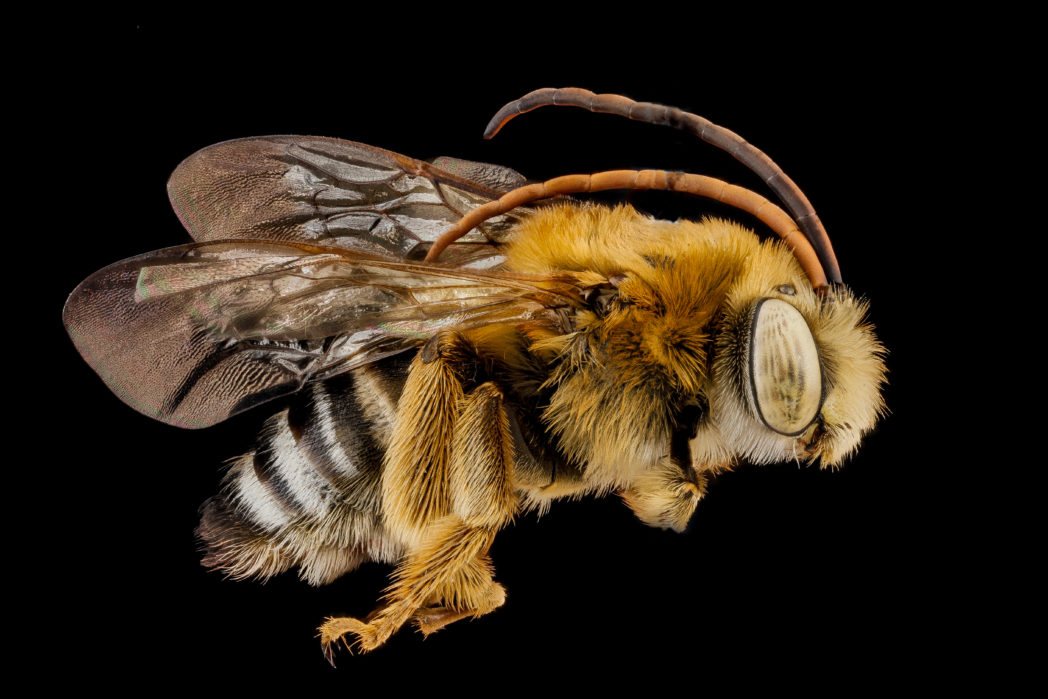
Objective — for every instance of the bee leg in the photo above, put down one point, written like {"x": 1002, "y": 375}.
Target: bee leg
{"x": 473, "y": 589}
{"x": 450, "y": 563}
{"x": 335, "y": 628}
{"x": 434, "y": 619}
{"x": 665, "y": 496}
{"x": 426, "y": 573}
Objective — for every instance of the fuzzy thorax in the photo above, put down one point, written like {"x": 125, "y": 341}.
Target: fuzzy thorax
{"x": 633, "y": 360}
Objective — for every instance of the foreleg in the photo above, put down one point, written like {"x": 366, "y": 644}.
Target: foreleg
{"x": 665, "y": 496}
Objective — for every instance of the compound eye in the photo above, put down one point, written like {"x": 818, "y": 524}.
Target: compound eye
{"x": 785, "y": 376}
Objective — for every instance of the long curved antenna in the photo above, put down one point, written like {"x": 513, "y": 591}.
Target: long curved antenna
{"x": 699, "y": 185}
{"x": 750, "y": 156}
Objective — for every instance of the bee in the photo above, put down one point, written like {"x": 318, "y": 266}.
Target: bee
{"x": 456, "y": 346}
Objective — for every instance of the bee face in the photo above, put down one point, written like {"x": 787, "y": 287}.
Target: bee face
{"x": 796, "y": 376}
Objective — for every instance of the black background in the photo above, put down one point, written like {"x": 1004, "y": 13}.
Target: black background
{"x": 785, "y": 575}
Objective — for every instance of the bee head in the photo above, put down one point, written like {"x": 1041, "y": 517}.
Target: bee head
{"x": 796, "y": 375}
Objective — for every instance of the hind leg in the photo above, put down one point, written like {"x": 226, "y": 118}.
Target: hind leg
{"x": 473, "y": 594}
{"x": 448, "y": 575}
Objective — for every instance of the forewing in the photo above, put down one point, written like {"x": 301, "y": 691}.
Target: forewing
{"x": 194, "y": 334}
{"x": 332, "y": 192}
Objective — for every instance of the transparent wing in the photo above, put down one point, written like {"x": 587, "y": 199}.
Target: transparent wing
{"x": 339, "y": 193}
{"x": 194, "y": 334}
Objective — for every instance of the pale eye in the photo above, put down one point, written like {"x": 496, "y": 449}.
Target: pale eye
{"x": 785, "y": 376}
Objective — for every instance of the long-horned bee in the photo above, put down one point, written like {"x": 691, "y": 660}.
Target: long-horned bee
{"x": 455, "y": 346}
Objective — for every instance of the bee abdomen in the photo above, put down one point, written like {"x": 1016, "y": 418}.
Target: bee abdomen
{"x": 309, "y": 495}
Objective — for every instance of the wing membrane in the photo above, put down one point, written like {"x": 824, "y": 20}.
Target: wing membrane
{"x": 340, "y": 193}
{"x": 194, "y": 334}
{"x": 301, "y": 271}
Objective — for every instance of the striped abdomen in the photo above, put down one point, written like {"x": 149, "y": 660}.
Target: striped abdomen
{"x": 309, "y": 494}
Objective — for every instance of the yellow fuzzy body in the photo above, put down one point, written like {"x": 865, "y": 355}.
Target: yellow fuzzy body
{"x": 639, "y": 390}
{"x": 453, "y": 349}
